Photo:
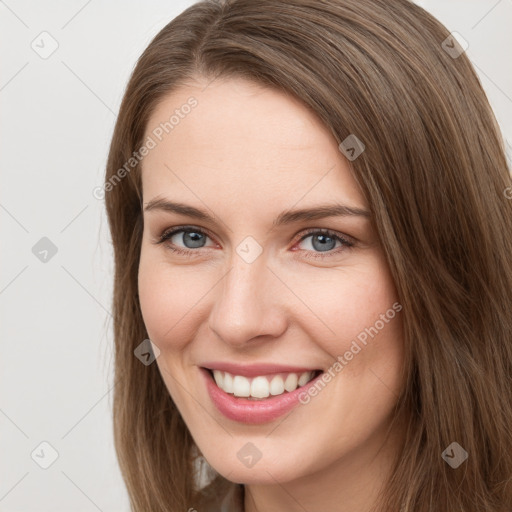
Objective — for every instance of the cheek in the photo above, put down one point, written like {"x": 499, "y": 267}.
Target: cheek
{"x": 348, "y": 302}
{"x": 338, "y": 306}
{"x": 170, "y": 299}
{"x": 363, "y": 311}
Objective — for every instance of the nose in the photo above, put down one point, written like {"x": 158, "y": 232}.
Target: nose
{"x": 247, "y": 305}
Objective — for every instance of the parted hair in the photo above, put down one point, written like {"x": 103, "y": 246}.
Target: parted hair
{"x": 435, "y": 176}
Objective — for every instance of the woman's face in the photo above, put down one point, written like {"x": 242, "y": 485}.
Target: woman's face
{"x": 268, "y": 296}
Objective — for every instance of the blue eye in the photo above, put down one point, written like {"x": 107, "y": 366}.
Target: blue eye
{"x": 193, "y": 236}
{"x": 322, "y": 241}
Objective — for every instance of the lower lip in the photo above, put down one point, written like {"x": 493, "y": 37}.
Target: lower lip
{"x": 253, "y": 411}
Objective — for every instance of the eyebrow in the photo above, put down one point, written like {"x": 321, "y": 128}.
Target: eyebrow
{"x": 286, "y": 217}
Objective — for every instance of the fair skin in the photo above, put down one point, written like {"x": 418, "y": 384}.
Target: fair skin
{"x": 245, "y": 154}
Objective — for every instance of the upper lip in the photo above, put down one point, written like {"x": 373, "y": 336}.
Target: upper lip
{"x": 253, "y": 370}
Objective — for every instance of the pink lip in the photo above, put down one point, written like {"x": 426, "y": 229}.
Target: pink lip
{"x": 253, "y": 370}
{"x": 253, "y": 411}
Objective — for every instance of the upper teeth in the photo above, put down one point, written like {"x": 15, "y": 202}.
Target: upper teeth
{"x": 261, "y": 386}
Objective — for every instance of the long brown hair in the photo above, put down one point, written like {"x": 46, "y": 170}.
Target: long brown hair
{"x": 434, "y": 174}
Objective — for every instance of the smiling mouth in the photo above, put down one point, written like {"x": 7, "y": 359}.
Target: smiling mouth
{"x": 261, "y": 387}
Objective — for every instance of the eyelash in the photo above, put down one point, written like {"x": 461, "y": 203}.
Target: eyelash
{"x": 166, "y": 235}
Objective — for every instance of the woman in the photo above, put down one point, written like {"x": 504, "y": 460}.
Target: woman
{"x": 310, "y": 222}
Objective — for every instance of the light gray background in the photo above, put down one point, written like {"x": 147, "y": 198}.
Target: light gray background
{"x": 58, "y": 113}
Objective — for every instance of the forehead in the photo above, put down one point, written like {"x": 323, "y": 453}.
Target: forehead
{"x": 239, "y": 136}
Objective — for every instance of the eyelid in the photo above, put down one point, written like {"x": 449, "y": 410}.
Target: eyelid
{"x": 168, "y": 233}
{"x": 308, "y": 231}
{"x": 347, "y": 241}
